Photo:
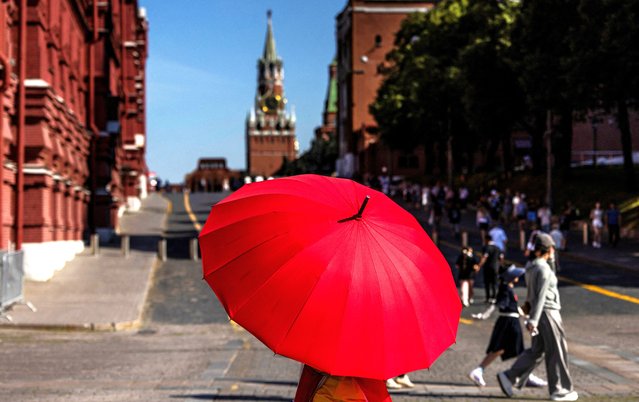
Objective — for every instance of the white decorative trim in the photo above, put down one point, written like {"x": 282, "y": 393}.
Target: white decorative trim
{"x": 11, "y": 166}
{"x": 130, "y": 43}
{"x": 390, "y": 10}
{"x": 130, "y": 147}
{"x": 36, "y": 83}
{"x": 35, "y": 169}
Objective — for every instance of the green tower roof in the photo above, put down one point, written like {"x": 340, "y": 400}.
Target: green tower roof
{"x": 331, "y": 96}
{"x": 270, "y": 54}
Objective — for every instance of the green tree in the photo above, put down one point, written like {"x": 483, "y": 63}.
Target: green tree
{"x": 605, "y": 49}
{"x": 449, "y": 84}
{"x": 541, "y": 55}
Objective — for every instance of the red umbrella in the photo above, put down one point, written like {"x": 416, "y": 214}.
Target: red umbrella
{"x": 331, "y": 273}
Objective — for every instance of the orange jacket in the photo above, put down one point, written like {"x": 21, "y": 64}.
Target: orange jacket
{"x": 318, "y": 387}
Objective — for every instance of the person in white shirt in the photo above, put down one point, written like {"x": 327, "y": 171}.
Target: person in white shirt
{"x": 499, "y": 237}
{"x": 544, "y": 215}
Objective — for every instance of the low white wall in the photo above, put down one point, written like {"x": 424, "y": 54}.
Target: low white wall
{"x": 42, "y": 260}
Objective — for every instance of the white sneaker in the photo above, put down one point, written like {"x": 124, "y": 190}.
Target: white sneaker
{"x": 392, "y": 384}
{"x": 570, "y": 396}
{"x": 478, "y": 316}
{"x": 477, "y": 376}
{"x": 534, "y": 381}
{"x": 404, "y": 381}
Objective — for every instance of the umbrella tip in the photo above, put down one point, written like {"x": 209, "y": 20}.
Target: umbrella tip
{"x": 361, "y": 209}
{"x": 359, "y": 213}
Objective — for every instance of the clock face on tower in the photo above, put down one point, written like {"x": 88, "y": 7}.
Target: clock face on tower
{"x": 270, "y": 104}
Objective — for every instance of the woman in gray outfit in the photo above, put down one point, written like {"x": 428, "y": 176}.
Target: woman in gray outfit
{"x": 546, "y": 329}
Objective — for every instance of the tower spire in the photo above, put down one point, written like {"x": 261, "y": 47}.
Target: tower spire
{"x": 269, "y": 46}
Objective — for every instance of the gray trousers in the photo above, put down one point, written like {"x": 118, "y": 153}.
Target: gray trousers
{"x": 551, "y": 344}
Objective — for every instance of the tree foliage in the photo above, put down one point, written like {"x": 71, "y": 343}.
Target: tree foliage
{"x": 471, "y": 73}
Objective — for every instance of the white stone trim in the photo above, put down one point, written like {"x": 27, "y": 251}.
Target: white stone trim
{"x": 133, "y": 204}
{"x": 390, "y": 10}
{"x": 37, "y": 170}
{"x": 36, "y": 83}
{"x": 42, "y": 260}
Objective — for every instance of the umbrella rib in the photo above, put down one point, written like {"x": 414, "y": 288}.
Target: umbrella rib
{"x": 303, "y": 305}
{"x": 384, "y": 250}
{"x": 251, "y": 216}
{"x": 268, "y": 280}
{"x": 226, "y": 264}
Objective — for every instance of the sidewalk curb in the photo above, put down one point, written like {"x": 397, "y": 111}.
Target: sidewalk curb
{"x": 96, "y": 327}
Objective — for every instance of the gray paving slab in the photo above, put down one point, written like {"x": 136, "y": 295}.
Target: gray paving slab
{"x": 98, "y": 292}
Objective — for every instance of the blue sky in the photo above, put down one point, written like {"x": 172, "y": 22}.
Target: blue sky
{"x": 202, "y": 77}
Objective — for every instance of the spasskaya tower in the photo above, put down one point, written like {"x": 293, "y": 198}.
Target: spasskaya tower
{"x": 270, "y": 129}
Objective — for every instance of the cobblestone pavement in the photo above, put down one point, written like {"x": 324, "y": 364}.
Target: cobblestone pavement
{"x": 188, "y": 351}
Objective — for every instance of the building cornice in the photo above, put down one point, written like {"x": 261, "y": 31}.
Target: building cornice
{"x": 390, "y": 10}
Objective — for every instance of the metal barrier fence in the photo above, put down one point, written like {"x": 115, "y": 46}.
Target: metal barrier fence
{"x": 11, "y": 278}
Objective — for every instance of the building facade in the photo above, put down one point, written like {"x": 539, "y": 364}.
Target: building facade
{"x": 270, "y": 129}
{"x": 365, "y": 34}
{"x": 212, "y": 175}
{"x": 68, "y": 70}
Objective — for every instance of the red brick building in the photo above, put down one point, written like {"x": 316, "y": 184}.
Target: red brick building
{"x": 72, "y": 132}
{"x": 270, "y": 129}
{"x": 212, "y": 175}
{"x": 365, "y": 34}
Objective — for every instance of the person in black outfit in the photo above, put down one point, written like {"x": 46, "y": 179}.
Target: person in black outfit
{"x": 491, "y": 261}
{"x": 506, "y": 340}
{"x": 467, "y": 267}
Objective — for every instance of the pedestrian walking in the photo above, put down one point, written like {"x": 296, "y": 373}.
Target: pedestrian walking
{"x": 482, "y": 220}
{"x": 544, "y": 214}
{"x": 499, "y": 237}
{"x": 613, "y": 223}
{"x": 596, "y": 221}
{"x": 467, "y": 267}
{"x": 507, "y": 210}
{"x": 520, "y": 209}
{"x": 546, "y": 329}
{"x": 454, "y": 216}
{"x": 568, "y": 215}
{"x": 491, "y": 261}
{"x": 506, "y": 340}
{"x": 401, "y": 381}
{"x": 464, "y": 193}
{"x": 557, "y": 236}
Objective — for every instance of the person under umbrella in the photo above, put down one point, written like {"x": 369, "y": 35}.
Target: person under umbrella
{"x": 315, "y": 386}
{"x": 333, "y": 274}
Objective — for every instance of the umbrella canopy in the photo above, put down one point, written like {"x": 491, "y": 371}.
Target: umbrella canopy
{"x": 331, "y": 273}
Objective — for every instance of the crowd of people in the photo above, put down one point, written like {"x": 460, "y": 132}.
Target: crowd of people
{"x": 547, "y": 232}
